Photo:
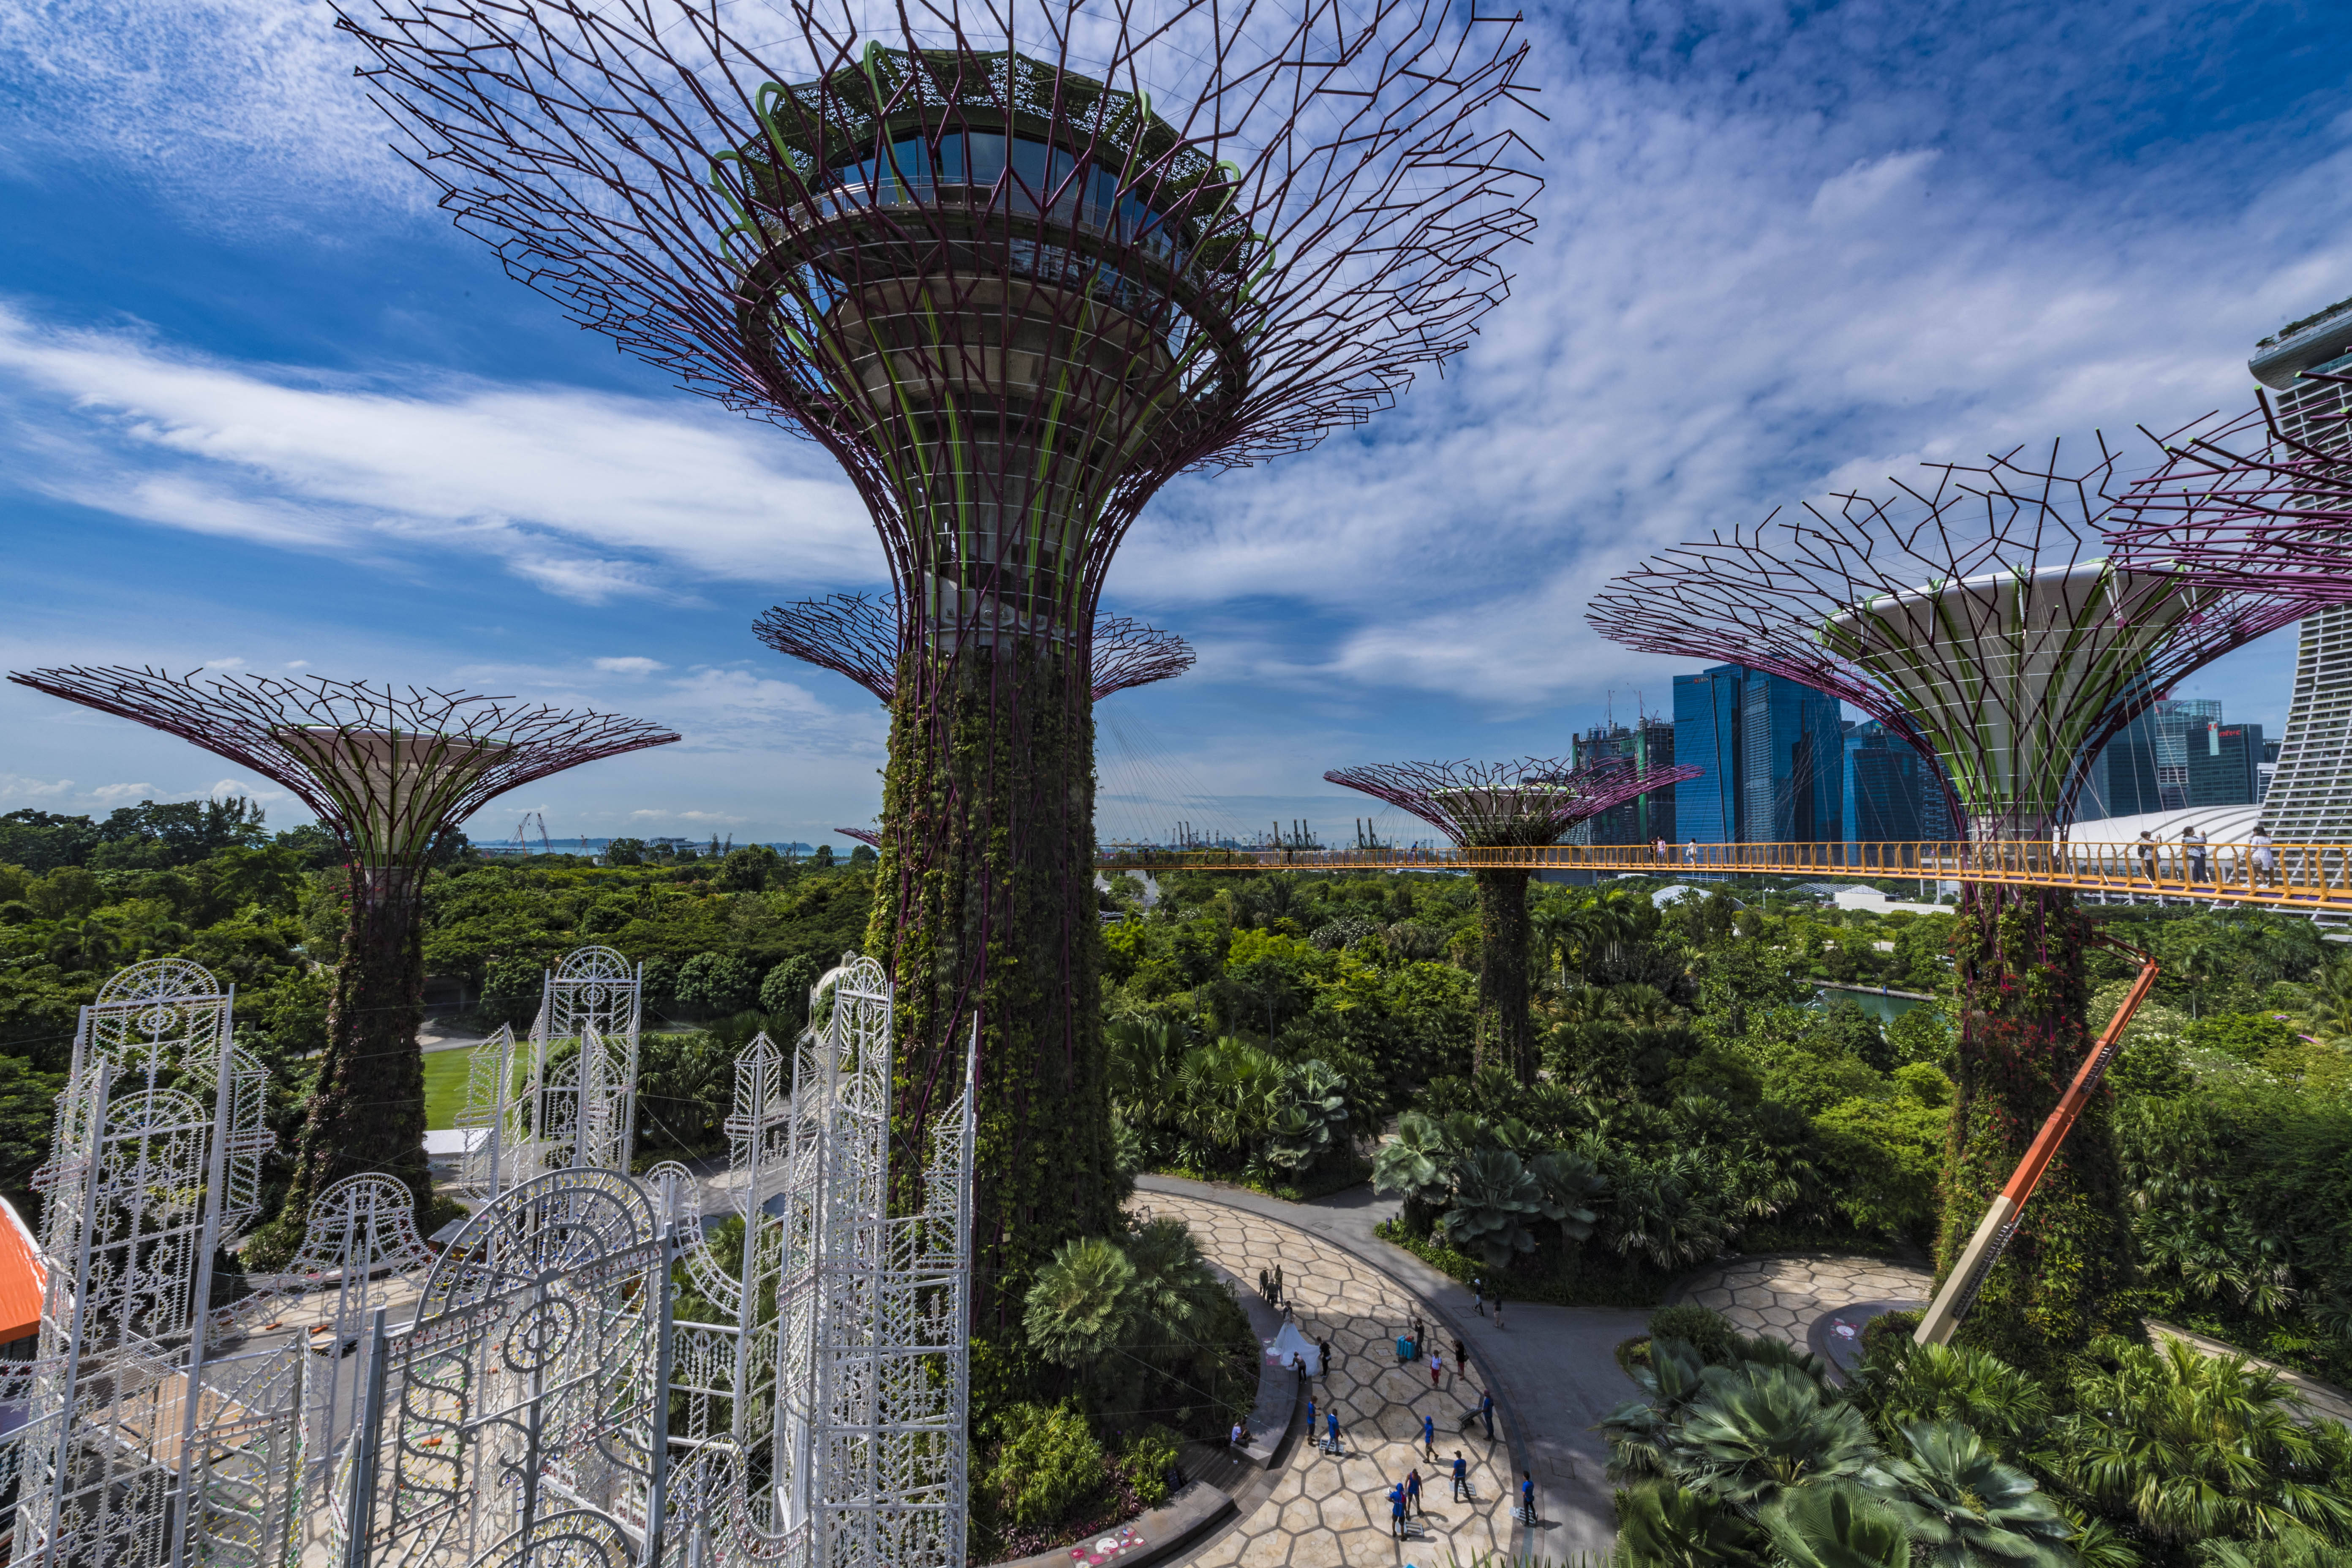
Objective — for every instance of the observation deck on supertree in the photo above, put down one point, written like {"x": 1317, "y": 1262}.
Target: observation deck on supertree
{"x": 861, "y": 637}
{"x": 1531, "y": 802}
{"x": 389, "y": 774}
{"x": 2248, "y": 503}
{"x": 1014, "y": 268}
{"x": 1973, "y": 613}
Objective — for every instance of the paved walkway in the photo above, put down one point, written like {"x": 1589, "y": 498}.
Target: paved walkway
{"x": 1325, "y": 1512}
{"x": 1787, "y": 1296}
{"x": 1553, "y": 1372}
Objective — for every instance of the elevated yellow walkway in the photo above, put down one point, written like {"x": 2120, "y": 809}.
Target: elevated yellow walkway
{"x": 2308, "y": 876}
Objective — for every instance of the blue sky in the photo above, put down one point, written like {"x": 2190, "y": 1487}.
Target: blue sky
{"x": 261, "y": 407}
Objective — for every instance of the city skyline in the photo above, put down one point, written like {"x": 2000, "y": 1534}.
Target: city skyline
{"x": 269, "y": 410}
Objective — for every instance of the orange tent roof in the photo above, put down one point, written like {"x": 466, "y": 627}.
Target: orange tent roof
{"x": 23, "y": 1280}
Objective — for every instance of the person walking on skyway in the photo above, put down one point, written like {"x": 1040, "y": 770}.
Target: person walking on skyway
{"x": 2192, "y": 845}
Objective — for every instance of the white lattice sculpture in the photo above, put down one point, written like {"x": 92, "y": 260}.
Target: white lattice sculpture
{"x": 528, "y": 1413}
{"x": 567, "y": 1097}
{"x": 155, "y": 1162}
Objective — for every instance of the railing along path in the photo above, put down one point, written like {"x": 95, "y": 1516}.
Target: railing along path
{"x": 2297, "y": 876}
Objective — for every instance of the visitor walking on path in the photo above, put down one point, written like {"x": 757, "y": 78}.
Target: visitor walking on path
{"x": 1486, "y": 1412}
{"x": 1461, "y": 1356}
{"x": 1331, "y": 1418}
{"x": 1396, "y": 1510}
{"x": 1429, "y": 1440}
{"x": 1461, "y": 1478}
{"x": 1412, "y": 1491}
{"x": 1528, "y": 1496}
{"x": 1478, "y": 1294}
{"x": 1310, "y": 1418}
{"x": 1323, "y": 1349}
{"x": 1498, "y": 1308}
{"x": 1436, "y": 1368}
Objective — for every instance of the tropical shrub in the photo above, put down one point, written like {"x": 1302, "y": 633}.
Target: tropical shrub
{"x": 1047, "y": 1466}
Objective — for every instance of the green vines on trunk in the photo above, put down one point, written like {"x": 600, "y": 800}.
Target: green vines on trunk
{"x": 984, "y": 906}
{"x": 367, "y": 1112}
{"x": 2020, "y": 956}
{"x": 1506, "y": 1035}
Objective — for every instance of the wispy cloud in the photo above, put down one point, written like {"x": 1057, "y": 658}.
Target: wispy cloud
{"x": 588, "y": 496}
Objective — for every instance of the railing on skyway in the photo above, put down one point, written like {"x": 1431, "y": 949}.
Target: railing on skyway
{"x": 2306, "y": 874}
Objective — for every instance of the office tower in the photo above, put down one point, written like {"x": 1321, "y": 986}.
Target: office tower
{"x": 1706, "y": 737}
{"x": 1770, "y": 756}
{"x": 2223, "y": 764}
{"x": 2180, "y": 724}
{"x": 1891, "y": 793}
{"x": 1791, "y": 763}
{"x": 2310, "y": 794}
{"x": 1645, "y": 819}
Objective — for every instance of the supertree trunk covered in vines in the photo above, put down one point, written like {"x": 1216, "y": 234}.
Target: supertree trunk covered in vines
{"x": 1506, "y": 1034}
{"x": 984, "y": 908}
{"x": 367, "y": 1112}
{"x": 2020, "y": 956}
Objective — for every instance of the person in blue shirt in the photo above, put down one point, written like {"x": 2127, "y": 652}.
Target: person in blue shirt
{"x": 1412, "y": 1491}
{"x": 1310, "y": 1420}
{"x": 1429, "y": 1440}
{"x": 1396, "y": 1511}
{"x": 1461, "y": 1477}
{"x": 1486, "y": 1412}
{"x": 1332, "y": 1416}
{"x": 1528, "y": 1495}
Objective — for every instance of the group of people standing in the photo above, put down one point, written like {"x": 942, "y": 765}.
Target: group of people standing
{"x": 2197, "y": 865}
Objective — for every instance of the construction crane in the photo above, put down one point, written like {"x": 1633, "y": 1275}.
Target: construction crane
{"x": 530, "y": 820}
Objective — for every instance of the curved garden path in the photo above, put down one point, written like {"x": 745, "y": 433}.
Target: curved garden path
{"x": 1796, "y": 1297}
{"x": 1322, "y": 1512}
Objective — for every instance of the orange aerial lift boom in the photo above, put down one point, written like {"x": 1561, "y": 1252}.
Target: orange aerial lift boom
{"x": 2000, "y": 1223}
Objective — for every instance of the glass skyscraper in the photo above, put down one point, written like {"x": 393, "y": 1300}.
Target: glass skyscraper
{"x": 1770, "y": 754}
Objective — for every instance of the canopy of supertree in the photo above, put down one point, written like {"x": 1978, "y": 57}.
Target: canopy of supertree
{"x": 1494, "y": 806}
{"x": 389, "y": 772}
{"x": 1016, "y": 266}
{"x": 2248, "y": 501}
{"x": 861, "y": 636}
{"x": 1973, "y": 611}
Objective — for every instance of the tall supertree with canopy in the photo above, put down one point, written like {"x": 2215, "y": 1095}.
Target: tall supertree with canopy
{"x": 2250, "y": 501}
{"x": 1971, "y": 610}
{"x": 389, "y": 772}
{"x": 1528, "y": 803}
{"x": 1016, "y": 266}
{"x": 862, "y": 638}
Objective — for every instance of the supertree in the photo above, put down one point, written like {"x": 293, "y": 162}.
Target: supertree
{"x": 862, "y": 638}
{"x": 2253, "y": 501}
{"x": 1528, "y": 803}
{"x": 1014, "y": 267}
{"x": 1972, "y": 614}
{"x": 389, "y": 774}
{"x": 865, "y": 836}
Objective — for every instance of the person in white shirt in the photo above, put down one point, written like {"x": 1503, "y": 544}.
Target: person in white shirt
{"x": 2192, "y": 845}
{"x": 2265, "y": 868}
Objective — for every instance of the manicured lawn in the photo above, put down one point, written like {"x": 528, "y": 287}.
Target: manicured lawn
{"x": 444, "y": 1088}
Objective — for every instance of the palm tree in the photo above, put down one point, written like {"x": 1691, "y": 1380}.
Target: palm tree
{"x": 1910, "y": 1383}
{"x": 1837, "y": 1526}
{"x": 2195, "y": 1448}
{"x": 1758, "y": 1430}
{"x": 1418, "y": 1163}
{"x": 1662, "y": 1526}
{"x": 1968, "y": 1509}
{"x": 1496, "y": 1201}
{"x": 1083, "y": 1303}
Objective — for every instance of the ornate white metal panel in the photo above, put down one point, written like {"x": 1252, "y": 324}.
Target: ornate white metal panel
{"x": 156, "y": 1160}
{"x": 873, "y": 1385}
{"x": 586, "y": 1107}
{"x": 497, "y": 1107}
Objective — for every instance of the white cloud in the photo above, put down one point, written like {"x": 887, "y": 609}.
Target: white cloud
{"x": 631, "y": 665}
{"x": 17, "y": 790}
{"x": 588, "y": 496}
{"x": 119, "y": 794}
